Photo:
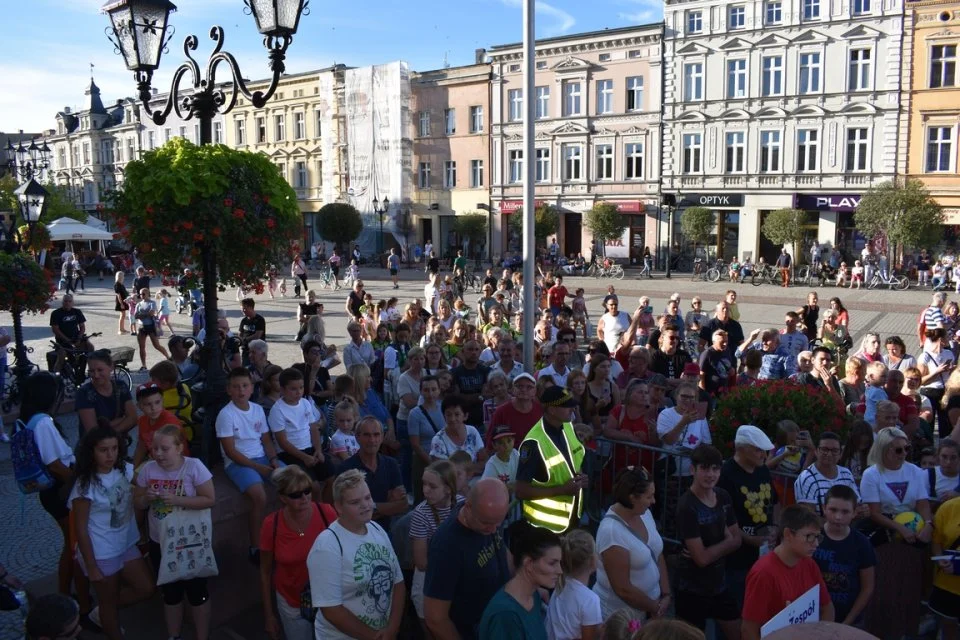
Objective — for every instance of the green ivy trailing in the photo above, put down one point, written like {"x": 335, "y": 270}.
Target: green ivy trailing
{"x": 183, "y": 198}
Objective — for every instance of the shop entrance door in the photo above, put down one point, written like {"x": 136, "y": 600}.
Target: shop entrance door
{"x": 572, "y": 234}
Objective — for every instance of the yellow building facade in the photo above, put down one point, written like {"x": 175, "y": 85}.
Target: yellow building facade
{"x": 930, "y": 124}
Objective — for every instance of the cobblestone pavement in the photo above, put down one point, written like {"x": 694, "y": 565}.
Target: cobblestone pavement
{"x": 30, "y": 541}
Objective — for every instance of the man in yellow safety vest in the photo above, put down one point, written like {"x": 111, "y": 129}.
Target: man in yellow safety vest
{"x": 549, "y": 482}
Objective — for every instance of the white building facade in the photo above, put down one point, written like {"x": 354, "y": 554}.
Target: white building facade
{"x": 598, "y": 101}
{"x": 773, "y": 104}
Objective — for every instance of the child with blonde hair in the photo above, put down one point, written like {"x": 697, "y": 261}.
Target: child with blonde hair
{"x": 163, "y": 315}
{"x": 856, "y": 275}
{"x": 343, "y": 443}
{"x": 574, "y": 610}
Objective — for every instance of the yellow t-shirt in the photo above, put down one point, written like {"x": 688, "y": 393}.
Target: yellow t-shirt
{"x": 945, "y": 533}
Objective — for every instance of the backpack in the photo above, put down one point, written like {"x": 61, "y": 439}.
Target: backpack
{"x": 29, "y": 471}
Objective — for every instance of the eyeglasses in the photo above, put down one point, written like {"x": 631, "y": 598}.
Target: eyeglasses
{"x": 687, "y": 397}
{"x": 812, "y": 538}
{"x": 901, "y": 450}
{"x": 571, "y": 340}
{"x": 830, "y": 450}
{"x": 294, "y": 495}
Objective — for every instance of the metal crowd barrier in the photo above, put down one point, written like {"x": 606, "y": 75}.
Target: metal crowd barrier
{"x": 603, "y": 463}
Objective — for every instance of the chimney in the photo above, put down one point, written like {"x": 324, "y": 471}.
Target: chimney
{"x": 480, "y": 55}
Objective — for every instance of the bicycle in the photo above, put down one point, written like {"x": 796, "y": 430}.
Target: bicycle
{"x": 326, "y": 278}
{"x": 699, "y": 273}
{"x": 893, "y": 281}
{"x": 74, "y": 369}
{"x": 766, "y": 273}
{"x": 718, "y": 270}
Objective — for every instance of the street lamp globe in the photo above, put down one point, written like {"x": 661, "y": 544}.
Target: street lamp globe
{"x": 277, "y": 18}
{"x": 31, "y": 196}
{"x": 139, "y": 30}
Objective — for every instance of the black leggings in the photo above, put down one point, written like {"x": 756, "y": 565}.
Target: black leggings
{"x": 195, "y": 588}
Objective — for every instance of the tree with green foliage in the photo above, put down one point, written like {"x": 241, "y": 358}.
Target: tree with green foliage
{"x": 8, "y": 201}
{"x": 472, "y": 226}
{"x": 697, "y": 224}
{"x": 605, "y": 223}
{"x": 58, "y": 204}
{"x": 785, "y": 227}
{"x": 903, "y": 211}
{"x": 546, "y": 222}
{"x": 339, "y": 222}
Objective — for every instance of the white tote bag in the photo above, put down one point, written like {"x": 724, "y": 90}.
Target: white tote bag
{"x": 186, "y": 547}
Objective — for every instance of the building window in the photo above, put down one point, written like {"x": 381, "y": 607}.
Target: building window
{"x": 634, "y": 161}
{"x": 62, "y": 157}
{"x": 604, "y": 97}
{"x": 424, "y": 124}
{"x": 183, "y": 133}
{"x": 736, "y": 152}
{"x": 571, "y": 98}
{"x": 774, "y": 12}
{"x": 450, "y": 174}
{"x": 240, "y": 129}
{"x": 450, "y": 121}
{"x": 634, "y": 53}
{"x": 808, "y": 150}
{"x": 694, "y": 21}
{"x": 736, "y": 78}
{"x": 282, "y": 168}
{"x": 299, "y": 126}
{"x": 515, "y": 100}
{"x": 860, "y": 7}
{"x": 543, "y": 164}
{"x": 809, "y": 73}
{"x": 543, "y": 102}
{"x": 604, "y": 57}
{"x": 859, "y": 70}
{"x": 811, "y": 9}
{"x": 604, "y": 162}
{"x": 75, "y": 152}
{"x": 572, "y": 161}
{"x": 514, "y": 68}
{"x": 515, "y": 164}
{"x": 196, "y": 133}
{"x": 939, "y": 146}
{"x": 279, "y": 128}
{"x": 476, "y": 174}
{"x": 541, "y": 64}
{"x": 261, "y": 130}
{"x": 319, "y": 173}
{"x": 693, "y": 81}
{"x": 635, "y": 93}
{"x": 737, "y": 17}
{"x": 86, "y": 153}
{"x": 857, "y": 149}
{"x": 772, "y": 82}
{"x": 692, "y": 152}
{"x": 943, "y": 66}
{"x": 218, "y": 132}
{"x": 476, "y": 119}
{"x": 423, "y": 176}
{"x": 300, "y": 175}
{"x": 769, "y": 151}
{"x": 318, "y": 123}
{"x": 132, "y": 149}
{"x": 152, "y": 140}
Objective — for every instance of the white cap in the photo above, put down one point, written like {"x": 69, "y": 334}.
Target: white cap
{"x": 525, "y": 376}
{"x": 749, "y": 434}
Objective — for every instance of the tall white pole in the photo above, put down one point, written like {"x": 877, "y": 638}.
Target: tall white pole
{"x": 530, "y": 307}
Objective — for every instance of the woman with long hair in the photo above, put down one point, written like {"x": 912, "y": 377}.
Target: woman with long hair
{"x": 892, "y": 486}
{"x": 843, "y": 316}
{"x": 411, "y": 316}
{"x": 286, "y": 537}
{"x": 857, "y": 448}
{"x": 516, "y": 610}
{"x": 103, "y": 401}
{"x": 434, "y": 359}
{"x": 107, "y": 535}
{"x": 897, "y": 357}
{"x": 120, "y": 295}
{"x": 458, "y": 337}
{"x": 370, "y": 404}
{"x": 869, "y": 350}
{"x": 445, "y": 314}
{"x": 602, "y": 395}
{"x": 577, "y": 386}
{"x": 314, "y": 329}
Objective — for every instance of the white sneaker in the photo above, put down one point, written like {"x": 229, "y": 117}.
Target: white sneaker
{"x": 95, "y": 618}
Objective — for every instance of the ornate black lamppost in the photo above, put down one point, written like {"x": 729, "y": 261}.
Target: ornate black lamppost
{"x": 381, "y": 210}
{"x": 25, "y": 162}
{"x": 140, "y": 32}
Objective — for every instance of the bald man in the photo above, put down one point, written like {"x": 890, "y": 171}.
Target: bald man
{"x": 467, "y": 563}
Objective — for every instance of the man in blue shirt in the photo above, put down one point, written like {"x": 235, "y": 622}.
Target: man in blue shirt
{"x": 383, "y": 472}
{"x": 775, "y": 358}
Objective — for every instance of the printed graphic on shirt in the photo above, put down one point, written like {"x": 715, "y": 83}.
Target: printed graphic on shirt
{"x": 164, "y": 487}
{"x": 898, "y": 489}
{"x": 373, "y": 573}
{"x": 757, "y": 504}
{"x": 121, "y": 503}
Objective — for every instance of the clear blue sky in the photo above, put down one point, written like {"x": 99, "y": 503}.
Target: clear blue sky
{"x": 48, "y": 45}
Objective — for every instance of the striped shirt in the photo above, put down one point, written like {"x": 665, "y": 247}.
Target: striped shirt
{"x": 811, "y": 486}
{"x": 933, "y": 317}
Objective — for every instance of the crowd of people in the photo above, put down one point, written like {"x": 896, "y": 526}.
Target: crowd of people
{"x": 403, "y": 482}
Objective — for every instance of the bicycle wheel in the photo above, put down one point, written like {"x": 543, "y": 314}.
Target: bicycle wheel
{"x": 756, "y": 279}
{"x": 902, "y": 283}
{"x": 122, "y": 375}
{"x": 713, "y": 274}
{"x": 776, "y": 278}
{"x": 803, "y": 276}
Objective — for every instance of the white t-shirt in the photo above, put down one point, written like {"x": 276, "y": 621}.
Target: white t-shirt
{"x": 405, "y": 385}
{"x": 342, "y": 442}
{"x": 295, "y": 421}
{"x": 570, "y": 608}
{"x": 644, "y": 571}
{"x": 442, "y": 447}
{"x": 431, "y": 296}
{"x": 896, "y": 491}
{"x": 146, "y": 306}
{"x": 246, "y": 429}
{"x": 506, "y": 471}
{"x": 559, "y": 379}
{"x": 368, "y": 572}
{"x": 184, "y": 481}
{"x": 945, "y": 483}
{"x": 613, "y": 328}
{"x": 112, "y": 527}
{"x": 693, "y": 434}
{"x": 51, "y": 444}
{"x": 811, "y": 486}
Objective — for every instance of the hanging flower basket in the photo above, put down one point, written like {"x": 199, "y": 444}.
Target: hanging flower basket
{"x": 24, "y": 284}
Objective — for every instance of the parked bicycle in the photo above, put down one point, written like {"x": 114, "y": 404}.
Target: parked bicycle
{"x": 74, "y": 370}
{"x": 699, "y": 270}
{"x": 609, "y": 269}
{"x": 815, "y": 275}
{"x": 719, "y": 270}
{"x": 892, "y": 281}
{"x": 766, "y": 273}
{"x": 327, "y": 281}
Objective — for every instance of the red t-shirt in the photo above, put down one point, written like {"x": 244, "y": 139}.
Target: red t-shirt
{"x": 624, "y": 453}
{"x": 521, "y": 422}
{"x": 557, "y": 295}
{"x": 292, "y": 549}
{"x": 908, "y": 407}
{"x": 149, "y": 427}
{"x": 772, "y": 585}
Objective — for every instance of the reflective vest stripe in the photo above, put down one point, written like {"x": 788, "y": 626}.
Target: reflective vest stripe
{"x": 534, "y": 515}
{"x": 555, "y": 513}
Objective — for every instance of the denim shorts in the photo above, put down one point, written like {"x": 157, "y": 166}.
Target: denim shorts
{"x": 246, "y": 477}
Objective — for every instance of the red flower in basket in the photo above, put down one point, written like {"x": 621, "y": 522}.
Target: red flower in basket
{"x": 228, "y": 202}
{"x": 271, "y": 223}
{"x": 238, "y": 214}
{"x": 188, "y": 225}
{"x": 216, "y": 231}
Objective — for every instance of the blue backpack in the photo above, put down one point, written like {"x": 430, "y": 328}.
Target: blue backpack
{"x": 28, "y": 468}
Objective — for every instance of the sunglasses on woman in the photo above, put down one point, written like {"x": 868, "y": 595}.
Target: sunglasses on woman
{"x": 294, "y": 495}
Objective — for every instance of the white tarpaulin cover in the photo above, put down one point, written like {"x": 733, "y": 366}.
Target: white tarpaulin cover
{"x": 69, "y": 229}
